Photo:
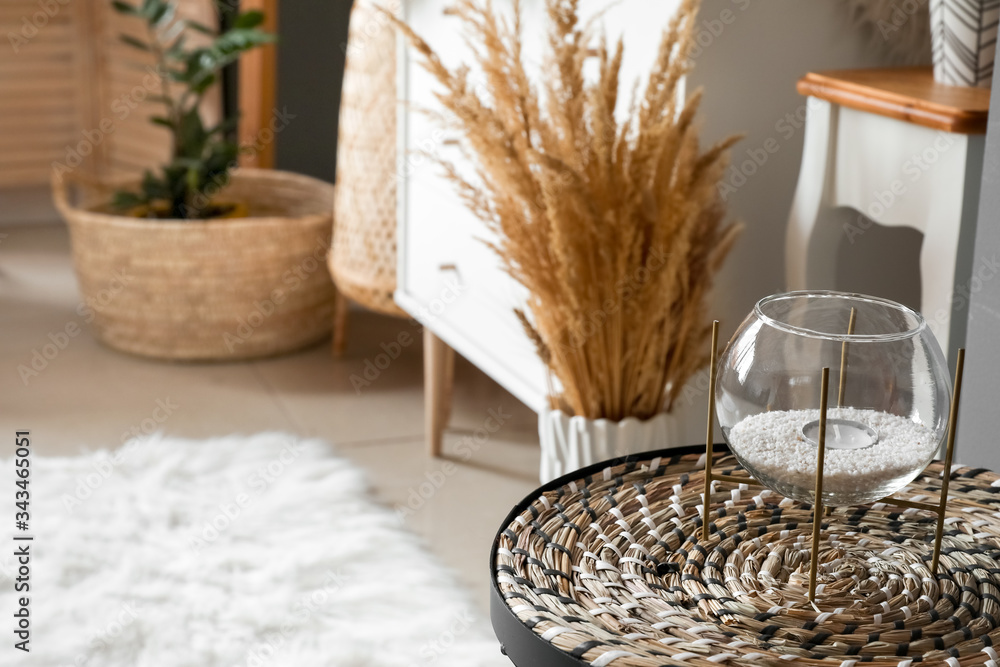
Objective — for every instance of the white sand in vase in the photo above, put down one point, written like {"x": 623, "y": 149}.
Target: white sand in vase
{"x": 772, "y": 443}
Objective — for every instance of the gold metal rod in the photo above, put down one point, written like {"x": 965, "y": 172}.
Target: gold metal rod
{"x": 910, "y": 503}
{"x": 949, "y": 454}
{"x": 736, "y": 480}
{"x": 843, "y": 360}
{"x": 843, "y": 372}
{"x": 818, "y": 504}
{"x": 709, "y": 435}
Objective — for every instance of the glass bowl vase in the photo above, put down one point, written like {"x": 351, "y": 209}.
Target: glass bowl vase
{"x": 887, "y": 408}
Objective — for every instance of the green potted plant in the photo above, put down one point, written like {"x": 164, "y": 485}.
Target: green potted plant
{"x": 219, "y": 262}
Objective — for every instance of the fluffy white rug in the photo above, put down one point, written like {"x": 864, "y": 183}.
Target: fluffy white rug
{"x": 236, "y": 552}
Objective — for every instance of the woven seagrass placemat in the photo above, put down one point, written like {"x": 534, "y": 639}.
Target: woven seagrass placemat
{"x": 606, "y": 567}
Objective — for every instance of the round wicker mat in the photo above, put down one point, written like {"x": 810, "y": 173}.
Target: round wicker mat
{"x": 607, "y": 565}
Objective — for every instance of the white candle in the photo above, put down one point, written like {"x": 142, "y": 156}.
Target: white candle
{"x": 841, "y": 434}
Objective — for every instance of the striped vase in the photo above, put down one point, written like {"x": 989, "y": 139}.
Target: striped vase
{"x": 964, "y": 35}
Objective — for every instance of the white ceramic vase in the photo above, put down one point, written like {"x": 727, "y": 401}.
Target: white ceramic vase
{"x": 570, "y": 443}
{"x": 964, "y": 34}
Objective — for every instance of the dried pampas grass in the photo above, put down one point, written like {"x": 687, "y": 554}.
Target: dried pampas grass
{"x": 616, "y": 228}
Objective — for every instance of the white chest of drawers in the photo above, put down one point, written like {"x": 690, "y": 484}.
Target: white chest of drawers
{"x": 447, "y": 278}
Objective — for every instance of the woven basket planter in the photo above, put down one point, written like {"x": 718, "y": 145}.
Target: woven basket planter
{"x": 212, "y": 289}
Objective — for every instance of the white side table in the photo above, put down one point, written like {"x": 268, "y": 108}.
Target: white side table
{"x": 904, "y": 151}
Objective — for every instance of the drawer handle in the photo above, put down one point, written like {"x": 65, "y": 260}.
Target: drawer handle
{"x": 454, "y": 269}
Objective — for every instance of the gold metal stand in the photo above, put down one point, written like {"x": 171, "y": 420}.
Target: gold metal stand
{"x": 824, "y": 388}
{"x": 843, "y": 361}
{"x": 949, "y": 453}
{"x": 938, "y": 508}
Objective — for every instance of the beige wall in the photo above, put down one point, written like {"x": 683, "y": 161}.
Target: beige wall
{"x": 749, "y": 73}
{"x": 755, "y": 51}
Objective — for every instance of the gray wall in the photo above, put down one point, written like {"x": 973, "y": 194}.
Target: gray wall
{"x": 310, "y": 69}
{"x": 753, "y": 53}
{"x": 749, "y": 67}
{"x": 978, "y": 441}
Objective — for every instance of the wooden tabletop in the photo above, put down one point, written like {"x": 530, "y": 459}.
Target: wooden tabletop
{"x": 905, "y": 93}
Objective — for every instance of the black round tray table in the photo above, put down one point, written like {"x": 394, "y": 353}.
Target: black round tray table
{"x": 606, "y": 567}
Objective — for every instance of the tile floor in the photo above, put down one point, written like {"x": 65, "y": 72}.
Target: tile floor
{"x": 89, "y": 397}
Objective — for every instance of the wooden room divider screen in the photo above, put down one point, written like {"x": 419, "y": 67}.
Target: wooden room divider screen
{"x": 73, "y": 95}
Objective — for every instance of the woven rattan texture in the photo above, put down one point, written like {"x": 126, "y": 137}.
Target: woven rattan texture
{"x": 363, "y": 258}
{"x": 611, "y": 569}
{"x": 213, "y": 289}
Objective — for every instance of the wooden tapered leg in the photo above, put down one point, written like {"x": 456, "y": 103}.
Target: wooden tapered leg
{"x": 439, "y": 371}
{"x": 340, "y": 308}
{"x": 448, "y": 381}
